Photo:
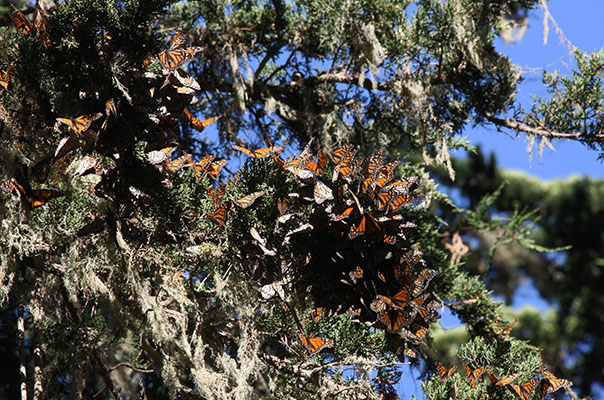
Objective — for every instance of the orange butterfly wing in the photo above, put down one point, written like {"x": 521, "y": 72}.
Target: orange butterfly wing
{"x": 219, "y": 216}
{"x": 248, "y": 200}
{"x": 473, "y": 375}
{"x": 445, "y": 373}
{"x": 81, "y": 123}
{"x": 525, "y": 390}
{"x": 315, "y": 345}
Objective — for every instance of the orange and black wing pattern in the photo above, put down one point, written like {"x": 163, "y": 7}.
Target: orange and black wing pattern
{"x": 473, "y": 375}
{"x": 220, "y": 214}
{"x": 315, "y": 345}
{"x": 81, "y": 123}
{"x": 525, "y": 390}
{"x": 445, "y": 373}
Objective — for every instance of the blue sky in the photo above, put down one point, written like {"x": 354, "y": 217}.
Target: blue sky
{"x": 581, "y": 23}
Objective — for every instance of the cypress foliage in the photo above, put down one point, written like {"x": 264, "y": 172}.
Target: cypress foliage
{"x": 150, "y": 266}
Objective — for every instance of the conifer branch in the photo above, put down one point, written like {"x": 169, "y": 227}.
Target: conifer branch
{"x": 522, "y": 127}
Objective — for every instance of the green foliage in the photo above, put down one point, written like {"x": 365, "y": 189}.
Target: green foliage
{"x": 156, "y": 259}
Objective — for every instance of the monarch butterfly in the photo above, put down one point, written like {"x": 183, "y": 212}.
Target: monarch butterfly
{"x": 338, "y": 154}
{"x": 322, "y": 192}
{"x": 473, "y": 375}
{"x": 110, "y": 108}
{"x": 5, "y": 79}
{"x": 400, "y": 300}
{"x": 201, "y": 167}
{"x": 316, "y": 167}
{"x": 219, "y": 216}
{"x": 502, "y": 381}
{"x": 22, "y": 23}
{"x": 197, "y": 124}
{"x": 445, "y": 373}
{"x": 409, "y": 353}
{"x": 173, "y": 166}
{"x": 159, "y": 156}
{"x": 88, "y": 164}
{"x": 396, "y": 202}
{"x": 176, "y": 55}
{"x": 248, "y": 200}
{"x": 216, "y": 194}
{"x": 417, "y": 333}
{"x": 381, "y": 199}
{"x": 524, "y": 390}
{"x": 315, "y": 345}
{"x": 215, "y": 168}
{"x": 506, "y": 333}
{"x": 32, "y": 198}
{"x": 428, "y": 312}
{"x": 370, "y": 168}
{"x": 367, "y": 225}
{"x": 258, "y": 153}
{"x": 356, "y": 274}
{"x": 549, "y": 383}
{"x": 394, "y": 320}
{"x": 281, "y": 206}
{"x": 180, "y": 78}
{"x": 345, "y": 167}
{"x": 379, "y": 304}
{"x": 421, "y": 281}
{"x": 81, "y": 123}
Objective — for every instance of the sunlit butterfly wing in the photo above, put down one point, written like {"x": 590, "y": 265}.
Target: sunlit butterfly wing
{"x": 366, "y": 225}
{"x": 81, "y": 123}
{"x": 172, "y": 59}
{"x": 159, "y": 156}
{"x": 550, "y": 383}
{"x": 202, "y": 166}
{"x": 219, "y": 215}
{"x": 502, "y": 381}
{"x": 420, "y": 283}
{"x": 379, "y": 304}
{"x": 356, "y": 274}
{"x": 409, "y": 353}
{"x": 315, "y": 345}
{"x": 524, "y": 390}
{"x": 196, "y": 123}
{"x": 257, "y": 153}
{"x": 445, "y": 373}
{"x": 22, "y": 23}
{"x": 216, "y": 167}
{"x": 473, "y": 375}
{"x": 337, "y": 155}
{"x": 173, "y": 166}
{"x": 180, "y": 78}
{"x": 322, "y": 192}
{"x": 39, "y": 197}
{"x": 248, "y": 200}
{"x": 4, "y": 79}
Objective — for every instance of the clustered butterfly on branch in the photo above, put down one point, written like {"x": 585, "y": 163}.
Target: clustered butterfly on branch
{"x": 163, "y": 99}
{"x": 358, "y": 254}
{"x": 544, "y": 384}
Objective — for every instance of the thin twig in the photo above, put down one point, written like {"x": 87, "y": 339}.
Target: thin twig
{"x": 519, "y": 126}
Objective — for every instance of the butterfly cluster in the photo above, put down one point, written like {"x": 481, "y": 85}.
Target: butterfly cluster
{"x": 543, "y": 384}
{"x": 37, "y": 23}
{"x": 357, "y": 247}
{"x": 108, "y": 135}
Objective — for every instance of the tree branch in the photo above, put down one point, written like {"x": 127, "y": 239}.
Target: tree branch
{"x": 520, "y": 126}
